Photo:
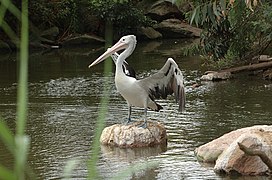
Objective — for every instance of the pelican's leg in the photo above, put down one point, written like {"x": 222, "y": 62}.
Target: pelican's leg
{"x": 129, "y": 115}
{"x": 144, "y": 125}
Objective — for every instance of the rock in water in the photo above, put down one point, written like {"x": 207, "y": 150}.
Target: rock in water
{"x": 209, "y": 152}
{"x": 132, "y": 135}
{"x": 216, "y": 76}
{"x": 234, "y": 160}
{"x": 230, "y": 159}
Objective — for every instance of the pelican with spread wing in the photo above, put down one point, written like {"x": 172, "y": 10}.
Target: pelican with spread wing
{"x": 143, "y": 92}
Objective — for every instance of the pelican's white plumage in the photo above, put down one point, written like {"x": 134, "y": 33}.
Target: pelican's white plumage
{"x": 142, "y": 93}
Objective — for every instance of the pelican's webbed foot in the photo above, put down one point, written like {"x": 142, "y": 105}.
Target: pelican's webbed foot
{"x": 129, "y": 121}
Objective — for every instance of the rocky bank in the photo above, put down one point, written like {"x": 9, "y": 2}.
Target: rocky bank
{"x": 229, "y": 158}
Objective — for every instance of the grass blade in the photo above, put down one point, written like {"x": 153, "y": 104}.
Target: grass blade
{"x": 22, "y": 148}
{"x": 7, "y": 29}
{"x": 3, "y": 10}
{"x": 6, "y": 173}
{"x": 12, "y": 8}
{"x": 69, "y": 167}
{"x": 100, "y": 124}
{"x": 7, "y": 136}
{"x": 22, "y": 95}
{"x": 22, "y": 141}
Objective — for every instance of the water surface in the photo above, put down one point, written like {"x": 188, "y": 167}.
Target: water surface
{"x": 64, "y": 100}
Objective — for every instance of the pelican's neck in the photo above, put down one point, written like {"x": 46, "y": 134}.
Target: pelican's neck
{"x": 120, "y": 60}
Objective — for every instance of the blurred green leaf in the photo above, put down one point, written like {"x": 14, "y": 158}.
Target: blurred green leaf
{"x": 5, "y": 4}
{"x": 100, "y": 123}
{"x": 7, "y": 29}
{"x": 12, "y": 8}
{"x": 7, "y": 136}
{"x": 6, "y": 174}
{"x": 69, "y": 167}
{"x": 3, "y": 10}
{"x": 22, "y": 144}
{"x": 22, "y": 92}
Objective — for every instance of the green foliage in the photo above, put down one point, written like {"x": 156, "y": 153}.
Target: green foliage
{"x": 86, "y": 16}
{"x": 124, "y": 15}
{"x": 227, "y": 61}
{"x": 263, "y": 25}
{"x": 232, "y": 30}
{"x": 63, "y": 14}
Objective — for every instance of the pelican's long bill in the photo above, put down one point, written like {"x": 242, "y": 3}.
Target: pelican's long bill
{"x": 117, "y": 47}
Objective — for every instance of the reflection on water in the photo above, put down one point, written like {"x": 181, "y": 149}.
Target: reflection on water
{"x": 130, "y": 154}
{"x": 64, "y": 98}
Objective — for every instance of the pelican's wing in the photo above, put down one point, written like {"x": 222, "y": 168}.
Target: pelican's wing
{"x": 129, "y": 71}
{"x": 166, "y": 81}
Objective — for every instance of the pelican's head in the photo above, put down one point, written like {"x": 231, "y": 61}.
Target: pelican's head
{"x": 126, "y": 42}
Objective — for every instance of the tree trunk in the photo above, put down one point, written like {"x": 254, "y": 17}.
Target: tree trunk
{"x": 251, "y": 67}
{"x": 226, "y": 73}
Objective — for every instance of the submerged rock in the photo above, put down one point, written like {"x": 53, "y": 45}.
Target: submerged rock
{"x": 228, "y": 157}
{"x": 132, "y": 135}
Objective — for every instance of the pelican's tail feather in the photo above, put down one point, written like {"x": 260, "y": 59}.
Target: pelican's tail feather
{"x": 159, "y": 107}
{"x": 155, "y": 106}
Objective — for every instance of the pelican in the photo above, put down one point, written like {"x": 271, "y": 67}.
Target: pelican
{"x": 129, "y": 71}
{"x": 143, "y": 92}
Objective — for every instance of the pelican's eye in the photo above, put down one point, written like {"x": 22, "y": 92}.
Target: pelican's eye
{"x": 123, "y": 39}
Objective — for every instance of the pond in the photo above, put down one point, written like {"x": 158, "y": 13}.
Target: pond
{"x": 64, "y": 100}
